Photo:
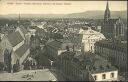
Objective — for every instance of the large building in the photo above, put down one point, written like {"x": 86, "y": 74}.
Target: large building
{"x": 100, "y": 69}
{"x": 71, "y": 68}
{"x": 112, "y": 28}
{"x": 115, "y": 52}
{"x": 15, "y": 49}
{"x": 56, "y": 47}
{"x": 89, "y": 38}
{"x": 77, "y": 67}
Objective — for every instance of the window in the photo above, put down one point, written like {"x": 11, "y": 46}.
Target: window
{"x": 103, "y": 76}
{"x": 91, "y": 47}
{"x": 112, "y": 75}
{"x": 95, "y": 77}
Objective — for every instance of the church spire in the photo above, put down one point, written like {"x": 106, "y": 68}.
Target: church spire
{"x": 107, "y": 12}
{"x": 19, "y": 20}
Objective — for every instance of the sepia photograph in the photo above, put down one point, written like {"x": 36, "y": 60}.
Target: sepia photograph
{"x": 66, "y": 40}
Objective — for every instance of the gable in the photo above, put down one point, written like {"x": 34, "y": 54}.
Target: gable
{"x": 22, "y": 50}
{"x": 15, "y": 38}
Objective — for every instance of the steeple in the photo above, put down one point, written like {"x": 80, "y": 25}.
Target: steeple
{"x": 107, "y": 12}
{"x": 18, "y": 20}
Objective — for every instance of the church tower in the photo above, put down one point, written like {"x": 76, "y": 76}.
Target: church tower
{"x": 107, "y": 13}
{"x": 18, "y": 20}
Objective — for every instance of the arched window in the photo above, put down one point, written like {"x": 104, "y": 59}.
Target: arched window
{"x": 6, "y": 56}
{"x": 91, "y": 47}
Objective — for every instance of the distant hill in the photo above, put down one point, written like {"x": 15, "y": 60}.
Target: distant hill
{"x": 88, "y": 14}
{"x": 98, "y": 14}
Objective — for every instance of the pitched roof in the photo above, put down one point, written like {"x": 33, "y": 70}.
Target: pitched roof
{"x": 23, "y": 30}
{"x": 55, "y": 44}
{"x": 15, "y": 38}
{"x": 59, "y": 44}
{"x": 112, "y": 21}
{"x": 98, "y": 64}
{"x": 110, "y": 44}
{"x": 67, "y": 55}
{"x": 88, "y": 31}
{"x": 20, "y": 51}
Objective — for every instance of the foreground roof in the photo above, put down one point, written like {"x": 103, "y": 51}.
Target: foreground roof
{"x": 98, "y": 65}
{"x": 21, "y": 51}
{"x": 59, "y": 44}
{"x": 15, "y": 38}
{"x": 24, "y": 31}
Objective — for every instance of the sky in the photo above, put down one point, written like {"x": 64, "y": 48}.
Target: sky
{"x": 57, "y": 7}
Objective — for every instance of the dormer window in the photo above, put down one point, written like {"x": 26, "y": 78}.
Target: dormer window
{"x": 104, "y": 76}
{"x": 112, "y": 75}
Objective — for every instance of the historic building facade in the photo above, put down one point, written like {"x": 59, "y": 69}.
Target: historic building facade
{"x": 15, "y": 49}
{"x": 112, "y": 28}
{"x": 71, "y": 68}
{"x": 114, "y": 52}
{"x": 89, "y": 38}
{"x": 100, "y": 69}
{"x": 56, "y": 47}
{"x": 78, "y": 67}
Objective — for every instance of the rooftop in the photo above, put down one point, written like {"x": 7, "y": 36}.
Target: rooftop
{"x": 20, "y": 51}
{"x": 97, "y": 64}
{"x": 59, "y": 44}
{"x": 23, "y": 30}
{"x": 117, "y": 45}
{"x": 15, "y": 38}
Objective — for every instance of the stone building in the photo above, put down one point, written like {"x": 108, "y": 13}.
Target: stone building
{"x": 77, "y": 67}
{"x": 56, "y": 47}
{"x": 89, "y": 38}
{"x": 100, "y": 69}
{"x": 115, "y": 52}
{"x": 15, "y": 49}
{"x": 70, "y": 66}
{"x": 112, "y": 28}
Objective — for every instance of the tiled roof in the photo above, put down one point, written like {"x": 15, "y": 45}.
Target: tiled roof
{"x": 111, "y": 44}
{"x": 15, "y": 38}
{"x": 71, "y": 56}
{"x": 20, "y": 51}
{"x": 98, "y": 64}
{"x": 77, "y": 38}
{"x": 55, "y": 44}
{"x": 60, "y": 44}
{"x": 24, "y": 31}
{"x": 68, "y": 53}
{"x": 111, "y": 22}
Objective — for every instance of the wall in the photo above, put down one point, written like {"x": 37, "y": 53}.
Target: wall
{"x": 108, "y": 74}
{"x": 115, "y": 56}
{"x": 18, "y": 45}
{"x": 24, "y": 56}
{"x": 89, "y": 42}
